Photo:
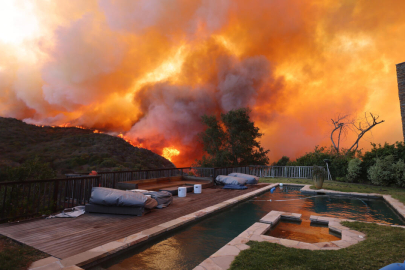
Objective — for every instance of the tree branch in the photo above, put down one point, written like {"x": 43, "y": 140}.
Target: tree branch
{"x": 364, "y": 131}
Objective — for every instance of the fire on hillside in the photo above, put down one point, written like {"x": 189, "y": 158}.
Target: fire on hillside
{"x": 150, "y": 69}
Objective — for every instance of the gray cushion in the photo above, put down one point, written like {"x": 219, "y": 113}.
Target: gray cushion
{"x": 230, "y": 180}
{"x": 251, "y": 179}
{"x": 115, "y": 197}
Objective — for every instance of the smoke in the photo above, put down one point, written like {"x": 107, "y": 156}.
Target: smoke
{"x": 151, "y": 69}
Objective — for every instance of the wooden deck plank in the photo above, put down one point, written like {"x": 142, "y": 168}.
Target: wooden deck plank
{"x": 63, "y": 237}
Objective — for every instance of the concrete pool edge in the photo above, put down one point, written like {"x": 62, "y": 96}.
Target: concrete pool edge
{"x": 394, "y": 203}
{"x": 101, "y": 252}
{"x": 223, "y": 258}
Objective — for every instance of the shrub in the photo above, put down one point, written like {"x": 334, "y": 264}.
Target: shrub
{"x": 399, "y": 171}
{"x": 108, "y": 163}
{"x": 382, "y": 172}
{"x": 353, "y": 170}
{"x": 32, "y": 169}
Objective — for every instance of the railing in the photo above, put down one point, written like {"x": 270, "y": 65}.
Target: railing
{"x": 304, "y": 172}
{"x": 42, "y": 197}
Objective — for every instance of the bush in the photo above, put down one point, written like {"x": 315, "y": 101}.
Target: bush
{"x": 397, "y": 150}
{"x": 32, "y": 169}
{"x": 399, "y": 171}
{"x": 354, "y": 170}
{"x": 338, "y": 162}
{"x": 382, "y": 172}
{"x": 108, "y": 163}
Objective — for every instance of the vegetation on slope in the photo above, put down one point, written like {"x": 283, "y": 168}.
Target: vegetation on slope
{"x": 67, "y": 150}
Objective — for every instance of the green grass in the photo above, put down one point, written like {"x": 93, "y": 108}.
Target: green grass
{"x": 397, "y": 193}
{"x": 14, "y": 256}
{"x": 384, "y": 245}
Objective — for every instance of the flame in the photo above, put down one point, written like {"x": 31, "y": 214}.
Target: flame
{"x": 149, "y": 70}
{"x": 131, "y": 142}
{"x": 170, "y": 152}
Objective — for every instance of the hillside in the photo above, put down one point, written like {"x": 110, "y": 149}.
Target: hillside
{"x": 71, "y": 149}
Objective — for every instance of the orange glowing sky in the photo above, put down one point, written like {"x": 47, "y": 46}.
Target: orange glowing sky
{"x": 148, "y": 69}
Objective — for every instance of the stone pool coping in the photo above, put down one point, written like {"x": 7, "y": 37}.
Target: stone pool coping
{"x": 223, "y": 258}
{"x": 91, "y": 256}
{"x": 394, "y": 203}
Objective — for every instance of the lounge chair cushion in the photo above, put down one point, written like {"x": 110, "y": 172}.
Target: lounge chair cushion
{"x": 115, "y": 197}
{"x": 163, "y": 198}
{"x": 234, "y": 187}
{"x": 230, "y": 180}
{"x": 251, "y": 179}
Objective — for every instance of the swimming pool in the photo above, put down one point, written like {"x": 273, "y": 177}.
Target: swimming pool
{"x": 186, "y": 247}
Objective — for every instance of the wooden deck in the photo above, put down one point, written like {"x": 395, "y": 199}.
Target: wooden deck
{"x": 64, "y": 237}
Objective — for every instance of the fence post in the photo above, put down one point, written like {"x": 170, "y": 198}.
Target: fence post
{"x": 55, "y": 196}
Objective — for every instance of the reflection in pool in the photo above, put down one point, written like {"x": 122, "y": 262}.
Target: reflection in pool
{"x": 188, "y": 246}
{"x": 303, "y": 231}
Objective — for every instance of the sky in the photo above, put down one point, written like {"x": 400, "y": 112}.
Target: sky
{"x": 147, "y": 70}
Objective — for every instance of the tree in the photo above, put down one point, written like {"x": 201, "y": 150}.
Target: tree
{"x": 361, "y": 127}
{"x": 282, "y": 161}
{"x": 231, "y": 141}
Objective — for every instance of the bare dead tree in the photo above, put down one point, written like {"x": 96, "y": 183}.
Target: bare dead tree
{"x": 363, "y": 127}
{"x": 344, "y": 123}
{"x": 341, "y": 124}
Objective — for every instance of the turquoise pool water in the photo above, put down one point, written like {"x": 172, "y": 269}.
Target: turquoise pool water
{"x": 188, "y": 246}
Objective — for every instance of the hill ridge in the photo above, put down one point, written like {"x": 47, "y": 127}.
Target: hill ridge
{"x": 71, "y": 149}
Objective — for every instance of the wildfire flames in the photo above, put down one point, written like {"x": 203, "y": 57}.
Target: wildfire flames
{"x": 149, "y": 69}
{"x": 170, "y": 152}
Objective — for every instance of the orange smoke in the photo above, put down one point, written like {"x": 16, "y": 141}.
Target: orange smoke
{"x": 149, "y": 69}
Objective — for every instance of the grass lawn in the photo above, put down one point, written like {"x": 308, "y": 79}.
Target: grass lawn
{"x": 397, "y": 193}
{"x": 17, "y": 256}
{"x": 384, "y": 245}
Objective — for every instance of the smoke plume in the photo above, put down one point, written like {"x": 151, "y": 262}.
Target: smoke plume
{"x": 150, "y": 69}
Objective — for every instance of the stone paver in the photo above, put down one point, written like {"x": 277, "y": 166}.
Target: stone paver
{"x": 154, "y": 231}
{"x": 209, "y": 264}
{"x": 134, "y": 239}
{"x": 73, "y": 267}
{"x": 43, "y": 262}
{"x": 227, "y": 250}
{"x": 85, "y": 257}
{"x": 114, "y": 246}
{"x": 223, "y": 262}
{"x": 51, "y": 266}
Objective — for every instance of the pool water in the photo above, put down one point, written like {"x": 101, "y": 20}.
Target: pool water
{"x": 303, "y": 231}
{"x": 186, "y": 247}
